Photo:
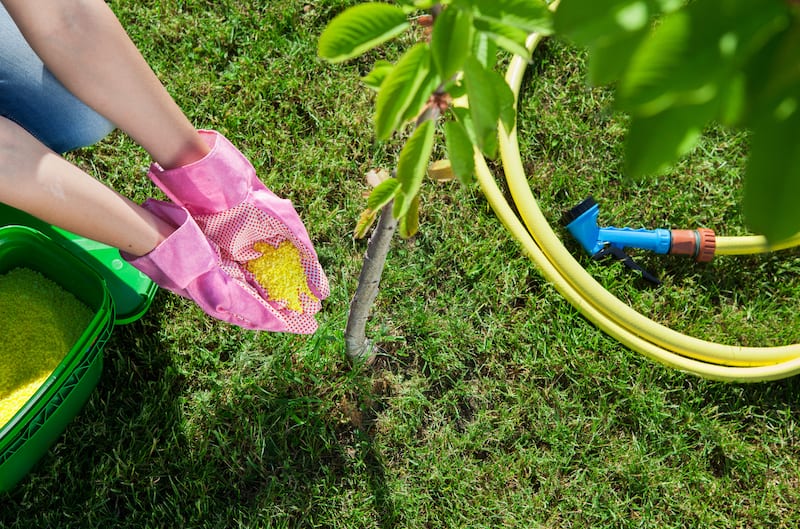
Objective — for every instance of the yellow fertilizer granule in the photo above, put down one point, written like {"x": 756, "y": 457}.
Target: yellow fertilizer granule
{"x": 39, "y": 323}
{"x": 280, "y": 272}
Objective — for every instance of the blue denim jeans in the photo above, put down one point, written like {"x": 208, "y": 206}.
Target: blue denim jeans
{"x": 34, "y": 99}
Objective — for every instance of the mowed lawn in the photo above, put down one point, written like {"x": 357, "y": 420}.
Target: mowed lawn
{"x": 493, "y": 403}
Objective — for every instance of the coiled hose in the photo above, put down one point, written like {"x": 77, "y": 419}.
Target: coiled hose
{"x": 639, "y": 333}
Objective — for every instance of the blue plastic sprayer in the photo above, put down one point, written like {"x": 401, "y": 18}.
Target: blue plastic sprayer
{"x": 599, "y": 242}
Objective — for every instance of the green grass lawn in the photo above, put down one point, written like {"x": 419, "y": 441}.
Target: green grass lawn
{"x": 494, "y": 403}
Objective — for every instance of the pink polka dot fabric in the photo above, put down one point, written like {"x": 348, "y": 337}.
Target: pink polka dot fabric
{"x": 236, "y": 231}
{"x": 235, "y": 210}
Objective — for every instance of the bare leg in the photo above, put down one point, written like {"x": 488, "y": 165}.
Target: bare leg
{"x": 37, "y": 180}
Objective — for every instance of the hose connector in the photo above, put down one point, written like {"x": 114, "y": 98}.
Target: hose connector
{"x": 699, "y": 244}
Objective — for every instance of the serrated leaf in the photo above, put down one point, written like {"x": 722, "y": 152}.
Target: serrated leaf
{"x": 383, "y": 193}
{"x": 656, "y": 142}
{"x": 408, "y": 226}
{"x": 400, "y": 88}
{"x": 364, "y": 223}
{"x": 359, "y": 29}
{"x": 374, "y": 79}
{"x": 411, "y": 166}
{"x": 460, "y": 151}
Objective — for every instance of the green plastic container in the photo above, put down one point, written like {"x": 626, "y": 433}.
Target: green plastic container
{"x": 114, "y": 291}
{"x": 131, "y": 291}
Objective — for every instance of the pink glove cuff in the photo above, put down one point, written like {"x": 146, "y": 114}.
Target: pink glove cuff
{"x": 219, "y": 181}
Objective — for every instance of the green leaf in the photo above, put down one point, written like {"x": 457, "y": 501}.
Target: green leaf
{"x": 465, "y": 120}
{"x": 421, "y": 97}
{"x": 772, "y": 179}
{"x": 359, "y": 29}
{"x": 531, "y": 16}
{"x": 587, "y": 22}
{"x": 609, "y": 58}
{"x": 695, "y": 54}
{"x": 505, "y": 100}
{"x": 507, "y": 37}
{"x": 653, "y": 62}
{"x": 488, "y": 96}
{"x": 383, "y": 193}
{"x": 655, "y": 142}
{"x": 733, "y": 101}
{"x": 409, "y": 223}
{"x": 374, "y": 79}
{"x": 484, "y": 50}
{"x": 451, "y": 41}
{"x": 772, "y": 74}
{"x": 412, "y": 165}
{"x": 460, "y": 151}
{"x": 400, "y": 88}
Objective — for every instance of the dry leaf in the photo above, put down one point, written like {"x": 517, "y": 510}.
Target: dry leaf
{"x": 375, "y": 177}
{"x": 441, "y": 171}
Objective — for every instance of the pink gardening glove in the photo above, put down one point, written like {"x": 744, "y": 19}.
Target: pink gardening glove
{"x": 260, "y": 236}
{"x": 190, "y": 265}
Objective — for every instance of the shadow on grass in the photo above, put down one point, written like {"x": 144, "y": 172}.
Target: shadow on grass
{"x": 262, "y": 456}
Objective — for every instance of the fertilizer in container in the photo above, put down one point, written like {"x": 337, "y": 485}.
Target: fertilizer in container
{"x": 39, "y": 323}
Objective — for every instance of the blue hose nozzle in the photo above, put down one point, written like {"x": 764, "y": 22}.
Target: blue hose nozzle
{"x": 581, "y": 221}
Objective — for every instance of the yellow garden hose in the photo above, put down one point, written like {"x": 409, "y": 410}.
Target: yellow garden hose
{"x": 616, "y": 318}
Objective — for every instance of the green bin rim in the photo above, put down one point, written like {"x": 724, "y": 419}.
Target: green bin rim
{"x": 131, "y": 291}
{"x": 101, "y": 322}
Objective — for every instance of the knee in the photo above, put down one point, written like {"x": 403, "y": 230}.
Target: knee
{"x": 83, "y": 131}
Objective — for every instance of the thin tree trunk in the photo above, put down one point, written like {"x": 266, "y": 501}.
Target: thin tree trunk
{"x": 357, "y": 345}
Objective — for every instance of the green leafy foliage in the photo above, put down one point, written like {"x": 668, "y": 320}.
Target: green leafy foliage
{"x": 772, "y": 180}
{"x": 359, "y": 29}
{"x": 509, "y": 38}
{"x": 490, "y": 99}
{"x": 680, "y": 66}
{"x": 383, "y": 193}
{"x": 531, "y": 16}
{"x": 400, "y": 88}
{"x": 365, "y": 221}
{"x": 459, "y": 151}
{"x": 409, "y": 223}
{"x": 374, "y": 79}
{"x": 451, "y": 41}
{"x": 411, "y": 166}
{"x": 459, "y": 59}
